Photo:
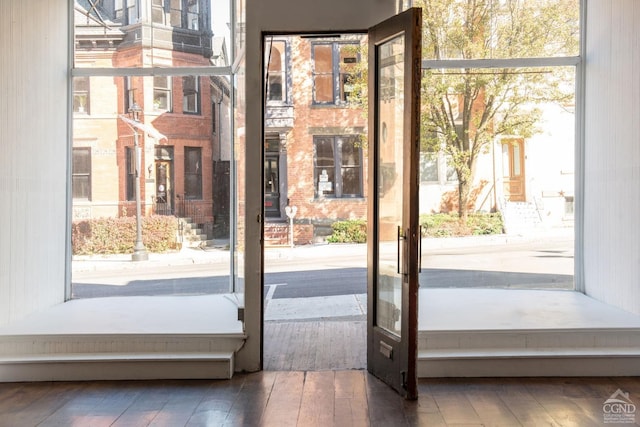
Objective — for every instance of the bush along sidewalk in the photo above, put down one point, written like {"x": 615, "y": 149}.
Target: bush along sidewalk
{"x": 349, "y": 231}
{"x": 433, "y": 225}
{"x": 103, "y": 236}
{"x": 450, "y": 225}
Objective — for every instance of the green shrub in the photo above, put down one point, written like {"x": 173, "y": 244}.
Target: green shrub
{"x": 433, "y": 225}
{"x": 349, "y": 231}
{"x": 449, "y": 225}
{"x": 118, "y": 235}
{"x": 482, "y": 224}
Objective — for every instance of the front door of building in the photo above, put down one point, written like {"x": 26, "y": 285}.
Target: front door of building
{"x": 513, "y": 169}
{"x": 393, "y": 232}
{"x": 164, "y": 188}
{"x": 271, "y": 185}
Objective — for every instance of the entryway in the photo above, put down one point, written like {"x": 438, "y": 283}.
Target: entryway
{"x": 314, "y": 175}
{"x": 315, "y": 308}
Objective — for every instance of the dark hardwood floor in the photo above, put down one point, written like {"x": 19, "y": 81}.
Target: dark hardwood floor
{"x": 326, "y": 398}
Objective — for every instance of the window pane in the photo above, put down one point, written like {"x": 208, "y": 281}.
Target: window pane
{"x": 350, "y": 153}
{"x": 324, "y": 152}
{"x": 322, "y": 57}
{"x": 152, "y": 33}
{"x": 193, "y": 15}
{"x": 81, "y": 187}
{"x": 429, "y": 167}
{"x": 275, "y": 57}
{"x": 522, "y": 142}
{"x": 351, "y": 174}
{"x": 157, "y": 14}
{"x": 81, "y": 180}
{"x": 191, "y": 100}
{"x": 129, "y": 174}
{"x": 175, "y": 13}
{"x": 351, "y": 181}
{"x": 324, "y": 173}
{"x": 193, "y": 172}
{"x": 323, "y": 73}
{"x": 162, "y": 93}
{"x": 323, "y": 88}
{"x": 81, "y": 160}
{"x": 500, "y": 29}
{"x": 516, "y": 160}
{"x": 274, "y": 90}
{"x": 81, "y": 95}
{"x": 348, "y": 60}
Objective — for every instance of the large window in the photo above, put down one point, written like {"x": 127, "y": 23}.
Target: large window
{"x": 337, "y": 166}
{"x": 191, "y": 95}
{"x": 81, "y": 180}
{"x": 193, "y": 173}
{"x": 159, "y": 56}
{"x": 499, "y": 77}
{"x": 334, "y": 68}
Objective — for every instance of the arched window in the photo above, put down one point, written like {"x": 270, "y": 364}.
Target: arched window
{"x": 276, "y": 89}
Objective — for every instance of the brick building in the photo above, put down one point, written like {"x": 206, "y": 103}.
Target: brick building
{"x": 178, "y": 172}
{"x": 314, "y": 149}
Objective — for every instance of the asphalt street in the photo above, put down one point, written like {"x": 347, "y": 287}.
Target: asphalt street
{"x": 323, "y": 270}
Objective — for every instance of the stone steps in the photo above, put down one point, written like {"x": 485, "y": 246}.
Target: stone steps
{"x": 276, "y": 234}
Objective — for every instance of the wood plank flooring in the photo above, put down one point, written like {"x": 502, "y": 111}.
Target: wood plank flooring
{"x": 316, "y": 345}
{"x": 326, "y": 398}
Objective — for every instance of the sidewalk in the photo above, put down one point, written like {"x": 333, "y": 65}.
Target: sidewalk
{"x": 83, "y": 263}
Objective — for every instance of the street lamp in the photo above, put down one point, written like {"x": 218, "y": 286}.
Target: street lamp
{"x": 139, "y": 251}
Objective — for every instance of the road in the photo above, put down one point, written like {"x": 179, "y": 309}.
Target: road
{"x": 538, "y": 264}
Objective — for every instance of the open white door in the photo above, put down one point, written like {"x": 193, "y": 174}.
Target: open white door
{"x": 393, "y": 236}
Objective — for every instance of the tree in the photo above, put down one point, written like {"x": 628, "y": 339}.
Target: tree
{"x": 465, "y": 109}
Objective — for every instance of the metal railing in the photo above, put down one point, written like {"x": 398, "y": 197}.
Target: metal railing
{"x": 197, "y": 210}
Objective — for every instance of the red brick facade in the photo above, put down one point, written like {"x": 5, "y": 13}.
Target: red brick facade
{"x": 315, "y": 212}
{"x": 97, "y": 127}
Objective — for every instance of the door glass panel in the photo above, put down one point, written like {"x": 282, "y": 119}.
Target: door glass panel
{"x": 516, "y": 160}
{"x": 390, "y": 201}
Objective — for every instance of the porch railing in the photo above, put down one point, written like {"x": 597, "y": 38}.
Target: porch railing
{"x": 196, "y": 210}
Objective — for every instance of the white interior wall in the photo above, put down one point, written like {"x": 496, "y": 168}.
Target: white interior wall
{"x": 281, "y": 16}
{"x": 33, "y": 159}
{"x": 612, "y": 153}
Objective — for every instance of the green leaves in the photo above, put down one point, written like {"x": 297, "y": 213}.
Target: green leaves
{"x": 465, "y": 109}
